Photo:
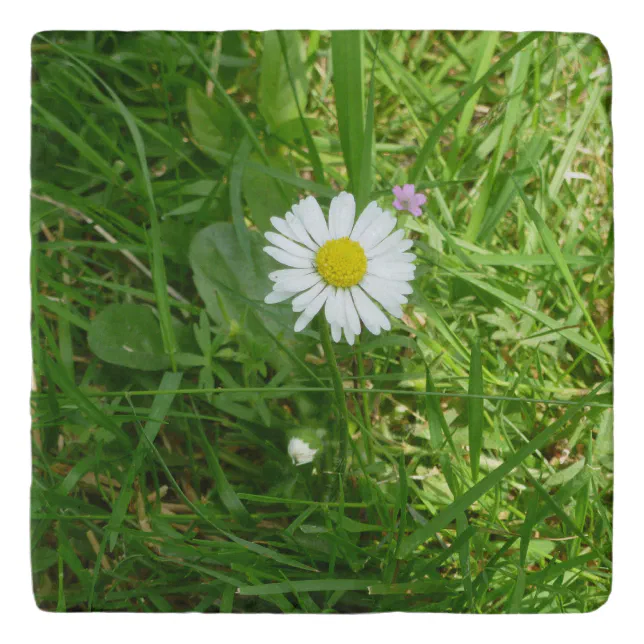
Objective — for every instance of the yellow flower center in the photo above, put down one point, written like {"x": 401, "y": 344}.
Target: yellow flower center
{"x": 341, "y": 262}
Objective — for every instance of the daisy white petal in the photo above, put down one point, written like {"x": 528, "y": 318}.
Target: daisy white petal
{"x": 341, "y": 270}
{"x": 300, "y": 232}
{"x": 369, "y": 215}
{"x": 298, "y": 284}
{"x": 311, "y": 310}
{"x": 285, "y": 273}
{"x": 330, "y": 308}
{"x": 395, "y": 289}
{"x": 277, "y": 296}
{"x": 392, "y": 267}
{"x": 395, "y": 286}
{"x": 281, "y": 225}
{"x": 395, "y": 257}
{"x": 366, "y": 309}
{"x": 340, "y": 307}
{"x": 342, "y": 213}
{"x": 387, "y": 244}
{"x": 287, "y": 259}
{"x": 336, "y": 332}
{"x": 304, "y": 299}
{"x": 308, "y": 211}
{"x": 384, "y": 297}
{"x": 288, "y": 245}
{"x": 378, "y": 230}
{"x": 404, "y": 245}
{"x": 353, "y": 320}
{"x": 391, "y": 271}
{"x": 374, "y": 319}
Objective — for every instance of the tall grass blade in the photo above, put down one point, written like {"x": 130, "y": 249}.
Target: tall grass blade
{"x": 348, "y": 80}
{"x": 475, "y": 409}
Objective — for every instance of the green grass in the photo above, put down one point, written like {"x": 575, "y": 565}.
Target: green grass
{"x": 479, "y": 472}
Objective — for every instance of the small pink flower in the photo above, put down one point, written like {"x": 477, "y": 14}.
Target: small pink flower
{"x": 407, "y": 199}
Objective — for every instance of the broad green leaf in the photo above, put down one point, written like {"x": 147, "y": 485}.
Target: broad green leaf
{"x": 276, "y": 101}
{"x": 128, "y": 335}
{"x": 233, "y": 288}
{"x": 211, "y": 124}
{"x": 262, "y": 195}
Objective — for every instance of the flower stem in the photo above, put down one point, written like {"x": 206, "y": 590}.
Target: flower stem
{"x": 336, "y": 378}
{"x": 366, "y": 412}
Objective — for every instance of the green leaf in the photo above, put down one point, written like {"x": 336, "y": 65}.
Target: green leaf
{"x": 516, "y": 84}
{"x": 434, "y": 414}
{"x": 233, "y": 288}
{"x": 128, "y": 335}
{"x": 276, "y": 101}
{"x": 236, "y": 207}
{"x": 488, "y": 43}
{"x": 318, "y": 170}
{"x": 210, "y": 123}
{"x": 262, "y": 195}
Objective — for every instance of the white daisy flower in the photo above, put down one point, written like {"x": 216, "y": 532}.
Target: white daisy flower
{"x": 300, "y": 452}
{"x": 341, "y": 266}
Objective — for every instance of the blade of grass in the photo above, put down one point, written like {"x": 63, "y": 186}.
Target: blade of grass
{"x": 307, "y": 585}
{"x": 488, "y": 42}
{"x": 572, "y": 336}
{"x": 514, "y": 93}
{"x": 437, "y": 131}
{"x": 444, "y": 518}
{"x": 223, "y": 488}
{"x": 158, "y": 410}
{"x": 348, "y": 78}
{"x": 475, "y": 409}
{"x": 61, "y": 378}
{"x": 573, "y": 142}
{"x": 318, "y": 169}
{"x": 143, "y": 173}
{"x": 555, "y": 252}
{"x": 363, "y": 188}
